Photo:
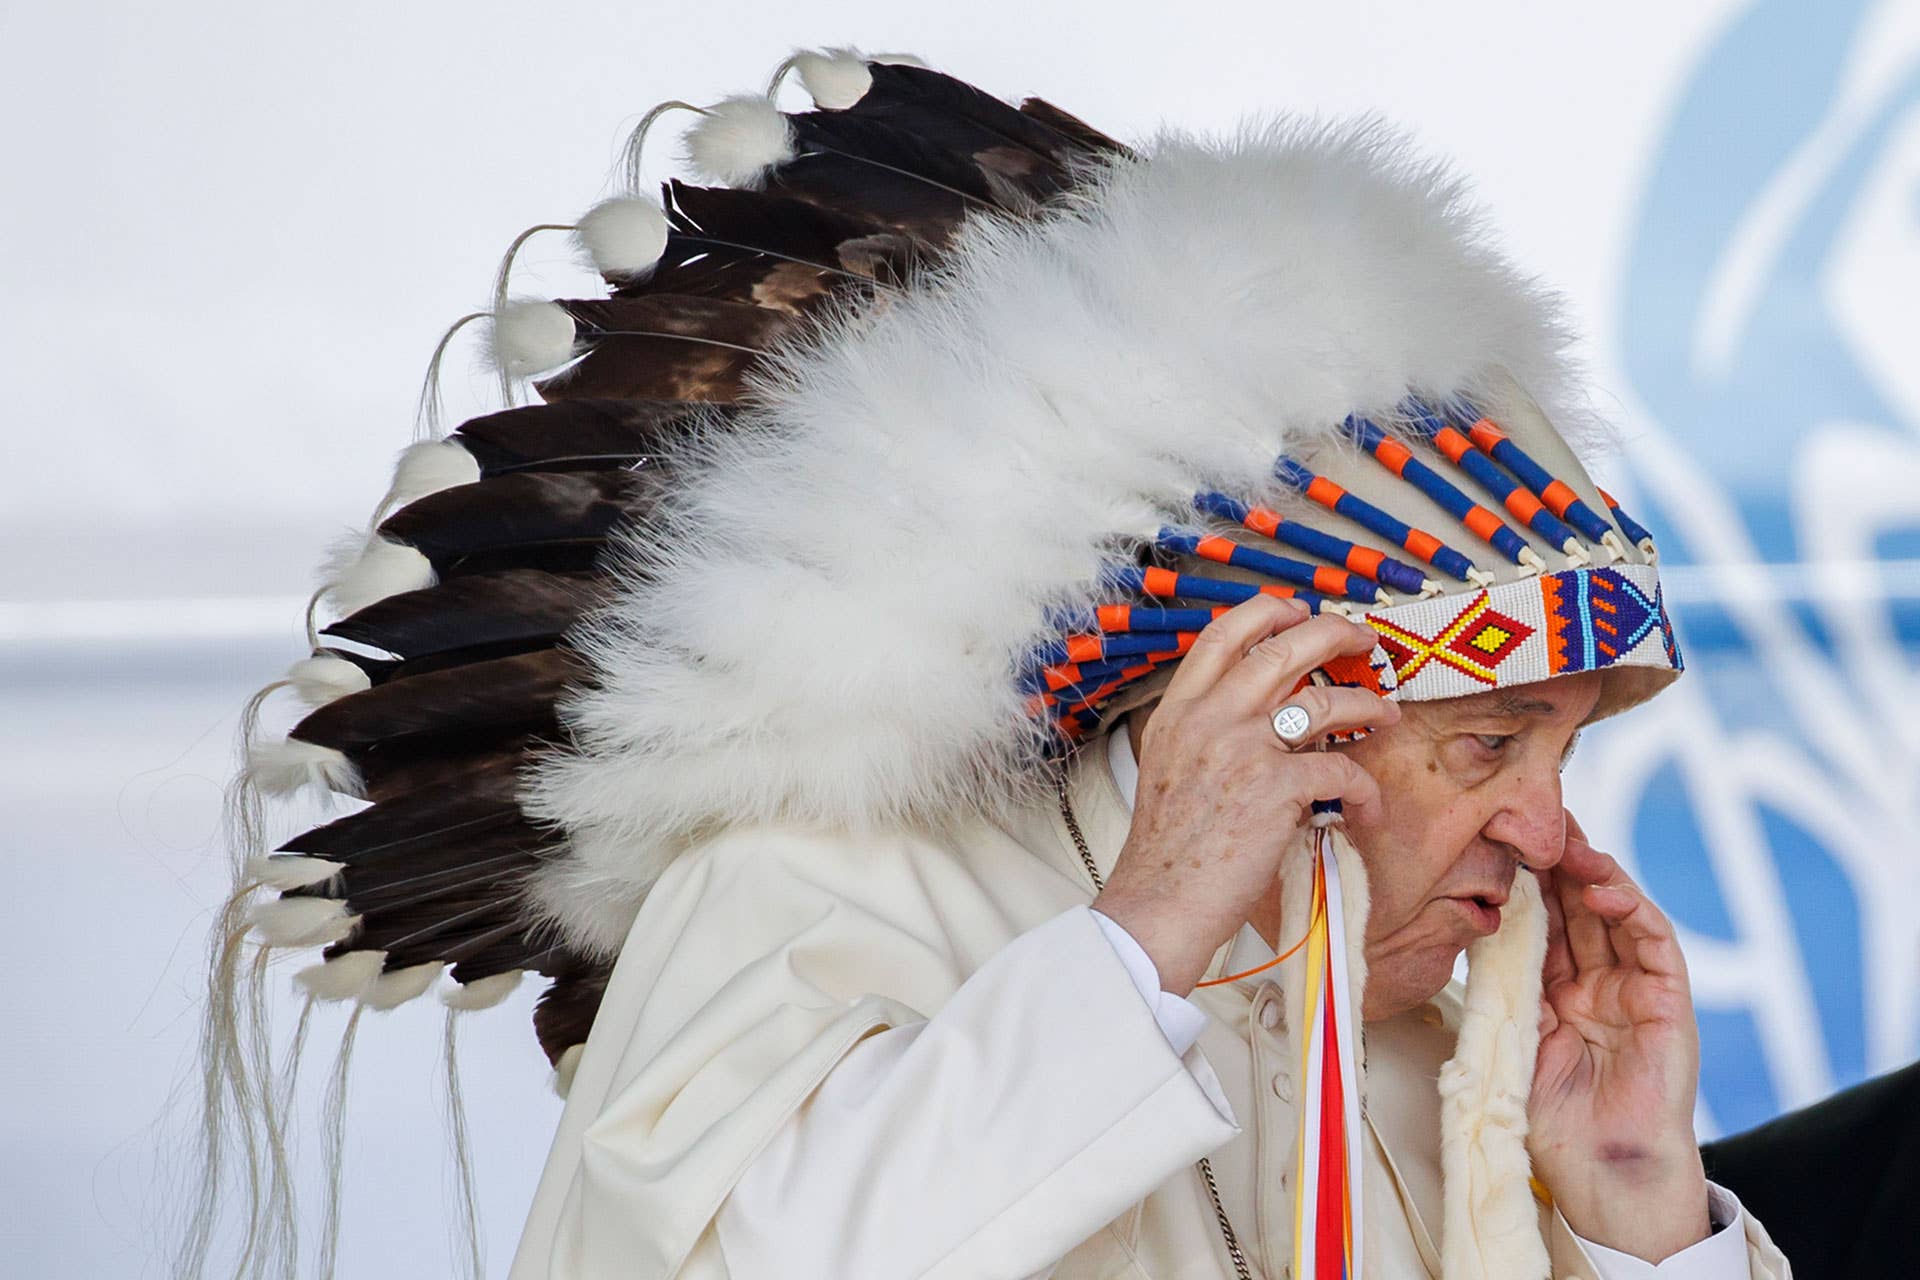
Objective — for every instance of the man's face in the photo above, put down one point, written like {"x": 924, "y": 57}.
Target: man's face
{"x": 1471, "y": 790}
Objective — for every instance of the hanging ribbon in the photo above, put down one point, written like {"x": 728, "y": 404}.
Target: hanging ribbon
{"x": 1328, "y": 1226}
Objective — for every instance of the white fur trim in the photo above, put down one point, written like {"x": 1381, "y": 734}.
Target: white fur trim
{"x": 1056, "y": 384}
{"x": 402, "y": 985}
{"x": 482, "y": 993}
{"x": 323, "y": 678}
{"x": 383, "y": 568}
{"x": 1356, "y": 900}
{"x": 564, "y": 1069}
{"x": 835, "y": 78}
{"x": 290, "y": 765}
{"x": 301, "y": 922}
{"x": 428, "y": 467}
{"x": 285, "y": 871}
{"x": 737, "y": 140}
{"x": 529, "y": 336}
{"x": 345, "y": 977}
{"x": 1490, "y": 1225}
{"x": 624, "y": 236}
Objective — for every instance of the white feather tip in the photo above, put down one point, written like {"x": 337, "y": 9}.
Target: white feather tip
{"x": 481, "y": 993}
{"x": 291, "y": 871}
{"x": 428, "y": 467}
{"x": 835, "y": 79}
{"x": 564, "y": 1068}
{"x": 624, "y": 236}
{"x": 530, "y": 336}
{"x": 301, "y": 922}
{"x": 737, "y": 139}
{"x": 401, "y": 985}
{"x": 322, "y": 678}
{"x": 290, "y": 765}
{"x": 385, "y": 568}
{"x": 344, "y": 977}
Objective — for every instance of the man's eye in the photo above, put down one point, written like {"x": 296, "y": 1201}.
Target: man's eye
{"x": 1493, "y": 742}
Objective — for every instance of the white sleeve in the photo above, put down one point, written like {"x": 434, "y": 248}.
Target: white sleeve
{"x": 1721, "y": 1256}
{"x": 987, "y": 1141}
{"x": 1180, "y": 1018}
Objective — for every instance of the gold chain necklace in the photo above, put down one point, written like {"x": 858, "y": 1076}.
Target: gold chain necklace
{"x": 1205, "y": 1166}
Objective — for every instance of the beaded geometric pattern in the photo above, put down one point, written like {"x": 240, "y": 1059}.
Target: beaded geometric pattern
{"x": 1602, "y": 610}
{"x": 1520, "y": 632}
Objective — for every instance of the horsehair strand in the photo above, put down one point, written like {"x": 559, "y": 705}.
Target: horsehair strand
{"x": 466, "y": 1204}
{"x": 334, "y": 1124}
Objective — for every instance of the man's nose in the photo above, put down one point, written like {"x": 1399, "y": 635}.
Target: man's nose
{"x": 1531, "y": 820}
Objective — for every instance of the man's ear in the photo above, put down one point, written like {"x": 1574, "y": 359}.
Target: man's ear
{"x": 1137, "y": 725}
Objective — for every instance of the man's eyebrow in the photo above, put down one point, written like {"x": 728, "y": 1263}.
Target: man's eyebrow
{"x": 1514, "y": 704}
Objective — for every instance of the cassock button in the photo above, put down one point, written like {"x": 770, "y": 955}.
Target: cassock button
{"x": 1283, "y": 1087}
{"x": 1270, "y": 1015}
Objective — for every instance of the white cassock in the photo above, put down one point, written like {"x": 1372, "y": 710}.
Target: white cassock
{"x": 908, "y": 1054}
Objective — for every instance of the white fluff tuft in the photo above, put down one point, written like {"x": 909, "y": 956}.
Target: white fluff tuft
{"x": 482, "y": 993}
{"x": 323, "y": 678}
{"x": 428, "y": 467}
{"x": 344, "y": 977}
{"x": 301, "y": 922}
{"x": 289, "y": 765}
{"x": 1490, "y": 1227}
{"x": 401, "y": 985}
{"x": 565, "y": 1068}
{"x": 624, "y": 236}
{"x": 285, "y": 871}
{"x": 835, "y": 79}
{"x": 737, "y": 140}
{"x": 529, "y": 336}
{"x": 1055, "y": 386}
{"x": 382, "y": 568}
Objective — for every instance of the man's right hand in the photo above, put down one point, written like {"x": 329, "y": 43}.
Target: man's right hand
{"x": 1220, "y": 798}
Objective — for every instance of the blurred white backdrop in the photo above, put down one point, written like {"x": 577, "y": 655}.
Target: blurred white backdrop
{"x": 236, "y": 232}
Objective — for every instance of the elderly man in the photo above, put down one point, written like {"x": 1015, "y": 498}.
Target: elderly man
{"x": 1047, "y": 726}
{"x": 1033, "y": 1126}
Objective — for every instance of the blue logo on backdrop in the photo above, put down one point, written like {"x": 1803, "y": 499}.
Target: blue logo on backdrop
{"x": 1771, "y": 800}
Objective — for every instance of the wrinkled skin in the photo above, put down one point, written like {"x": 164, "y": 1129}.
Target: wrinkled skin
{"x": 1446, "y": 801}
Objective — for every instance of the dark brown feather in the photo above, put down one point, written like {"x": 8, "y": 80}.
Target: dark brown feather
{"x": 534, "y": 950}
{"x": 391, "y": 829}
{"x": 572, "y": 435}
{"x": 1072, "y": 126}
{"x": 441, "y": 762}
{"x": 496, "y": 613}
{"x": 513, "y": 519}
{"x": 769, "y": 250}
{"x": 566, "y": 1010}
{"x": 484, "y": 696}
{"x": 665, "y": 347}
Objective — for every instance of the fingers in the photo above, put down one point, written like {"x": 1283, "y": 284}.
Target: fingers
{"x": 1573, "y": 825}
{"x": 1334, "y": 709}
{"x": 1588, "y": 943}
{"x": 1223, "y": 642}
{"x": 1276, "y": 663}
{"x": 1609, "y": 919}
{"x": 1558, "y": 966}
{"x": 1638, "y": 931}
{"x": 1329, "y": 776}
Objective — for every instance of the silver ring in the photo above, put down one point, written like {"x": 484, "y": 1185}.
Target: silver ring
{"x": 1290, "y": 724}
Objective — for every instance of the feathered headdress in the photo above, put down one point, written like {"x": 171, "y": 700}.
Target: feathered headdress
{"x": 915, "y": 446}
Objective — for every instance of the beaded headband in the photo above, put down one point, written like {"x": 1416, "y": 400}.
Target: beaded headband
{"x": 1466, "y": 629}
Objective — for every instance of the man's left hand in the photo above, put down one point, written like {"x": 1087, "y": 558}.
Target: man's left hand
{"x": 1611, "y": 1114}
